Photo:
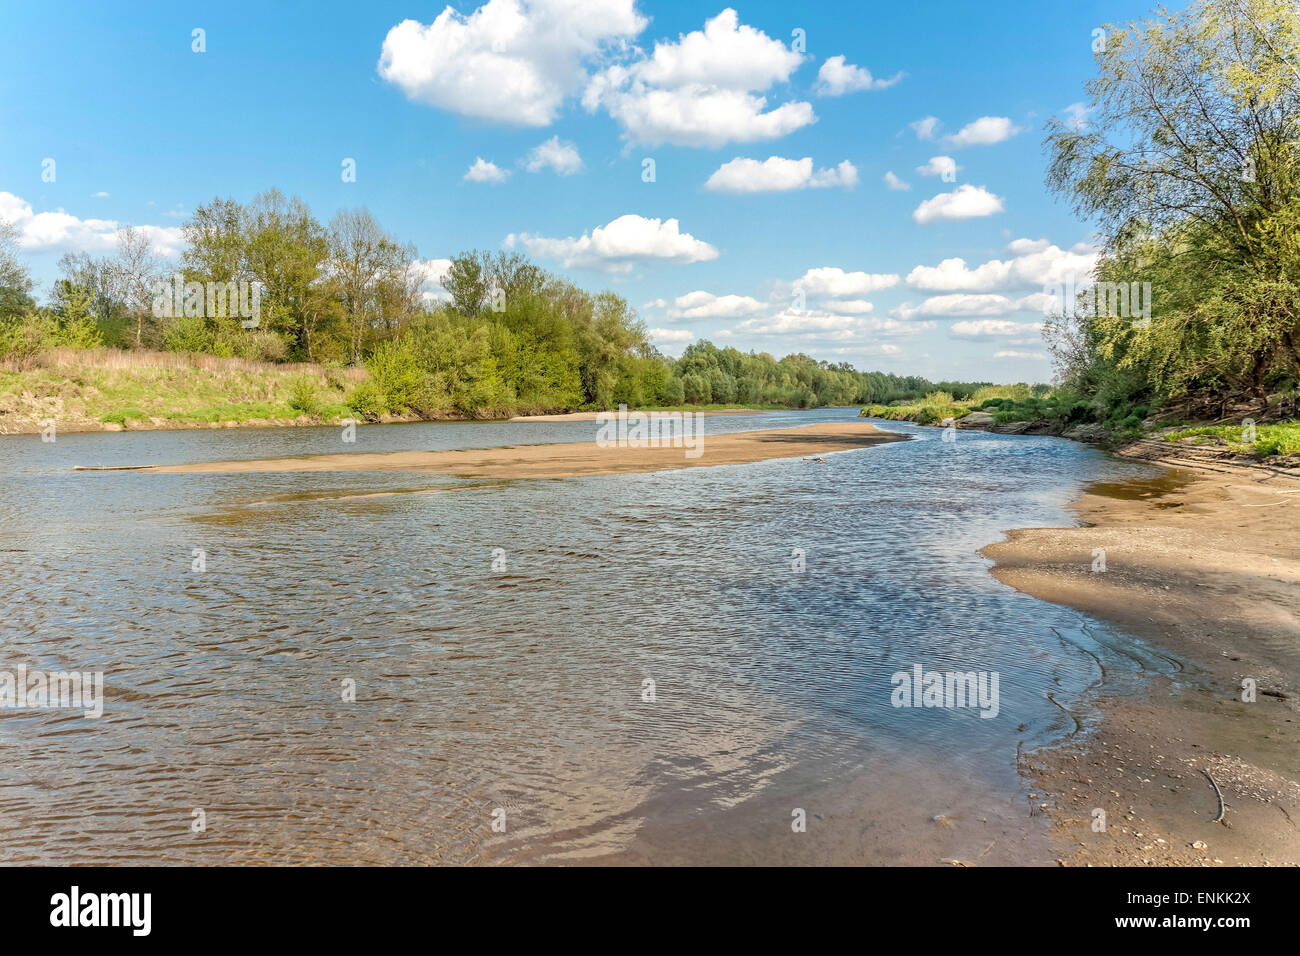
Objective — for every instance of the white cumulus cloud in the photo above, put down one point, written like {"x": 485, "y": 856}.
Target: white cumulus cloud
{"x": 620, "y": 245}
{"x": 555, "y": 154}
{"x": 776, "y": 174}
{"x": 927, "y": 128}
{"x": 896, "y": 184}
{"x": 836, "y": 77}
{"x": 826, "y": 325}
{"x": 966, "y": 304}
{"x": 483, "y": 171}
{"x": 706, "y": 305}
{"x": 510, "y": 61}
{"x": 433, "y": 271}
{"x": 704, "y": 89}
{"x": 944, "y": 166}
{"x": 60, "y": 231}
{"x": 1033, "y": 264}
{"x": 985, "y": 131}
{"x": 835, "y": 283}
{"x": 992, "y": 328}
{"x": 964, "y": 202}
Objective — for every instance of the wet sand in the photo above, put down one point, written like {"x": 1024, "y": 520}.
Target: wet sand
{"x": 569, "y": 460}
{"x": 1205, "y": 563}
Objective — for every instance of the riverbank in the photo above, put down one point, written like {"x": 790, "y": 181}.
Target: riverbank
{"x": 570, "y": 459}
{"x": 1203, "y": 561}
{"x": 696, "y": 409}
{"x": 107, "y": 390}
{"x": 1275, "y": 444}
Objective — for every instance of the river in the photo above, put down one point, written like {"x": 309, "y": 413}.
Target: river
{"x": 656, "y": 668}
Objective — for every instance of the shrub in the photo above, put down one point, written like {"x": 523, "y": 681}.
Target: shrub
{"x": 396, "y": 378}
{"x": 22, "y": 338}
{"x": 253, "y": 345}
{"x": 1012, "y": 393}
{"x": 186, "y": 334}
{"x": 303, "y": 396}
{"x": 368, "y": 400}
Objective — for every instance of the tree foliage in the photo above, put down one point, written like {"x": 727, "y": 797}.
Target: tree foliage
{"x": 1189, "y": 160}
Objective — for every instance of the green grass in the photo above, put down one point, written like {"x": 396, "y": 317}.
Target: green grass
{"x": 91, "y": 394}
{"x": 932, "y": 409}
{"x": 1270, "y": 440}
{"x": 1010, "y": 403}
{"x": 1056, "y": 406}
{"x": 121, "y": 417}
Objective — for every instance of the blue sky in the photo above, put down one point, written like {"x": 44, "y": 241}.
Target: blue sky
{"x": 142, "y": 129}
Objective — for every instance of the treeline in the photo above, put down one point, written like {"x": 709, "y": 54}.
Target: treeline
{"x": 1189, "y": 159}
{"x": 710, "y": 375}
{"x": 501, "y": 336}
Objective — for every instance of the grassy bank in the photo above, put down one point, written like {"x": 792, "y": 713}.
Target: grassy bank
{"x": 111, "y": 390}
{"x": 1266, "y": 442}
{"x": 1063, "y": 413}
{"x": 1007, "y": 403}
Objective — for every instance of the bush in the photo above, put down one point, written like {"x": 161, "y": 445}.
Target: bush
{"x": 396, "y": 381}
{"x": 22, "y": 338}
{"x": 254, "y": 345}
{"x": 187, "y": 334}
{"x": 1000, "y": 393}
{"x": 303, "y": 396}
{"x": 368, "y": 400}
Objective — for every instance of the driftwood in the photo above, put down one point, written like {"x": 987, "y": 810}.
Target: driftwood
{"x": 1218, "y": 793}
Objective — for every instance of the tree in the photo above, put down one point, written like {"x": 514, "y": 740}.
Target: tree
{"x": 15, "y": 282}
{"x": 1190, "y": 161}
{"x": 79, "y": 270}
{"x": 75, "y": 322}
{"x": 478, "y": 281}
{"x": 135, "y": 271}
{"x": 398, "y": 295}
{"x": 215, "y": 242}
{"x": 362, "y": 257}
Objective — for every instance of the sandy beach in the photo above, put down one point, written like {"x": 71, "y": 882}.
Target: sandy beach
{"x": 572, "y": 459}
{"x": 1203, "y": 562}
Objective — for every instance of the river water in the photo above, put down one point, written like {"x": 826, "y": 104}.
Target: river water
{"x": 625, "y": 668}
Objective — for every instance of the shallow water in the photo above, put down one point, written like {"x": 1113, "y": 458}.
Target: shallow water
{"x": 520, "y": 690}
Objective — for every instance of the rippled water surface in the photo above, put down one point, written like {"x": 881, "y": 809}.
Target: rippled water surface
{"x": 520, "y": 689}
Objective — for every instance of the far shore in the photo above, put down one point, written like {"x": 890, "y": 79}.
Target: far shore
{"x": 1204, "y": 562}
{"x": 33, "y": 424}
{"x": 592, "y": 416}
{"x": 567, "y": 460}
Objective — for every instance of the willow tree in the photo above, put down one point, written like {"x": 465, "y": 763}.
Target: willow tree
{"x": 1188, "y": 157}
